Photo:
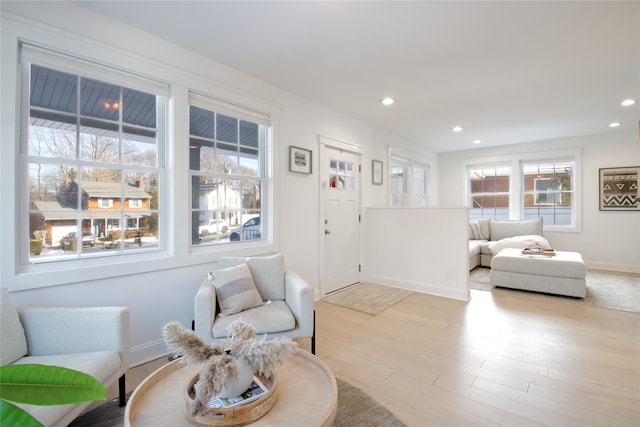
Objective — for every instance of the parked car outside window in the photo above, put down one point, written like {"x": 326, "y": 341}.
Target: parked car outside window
{"x": 248, "y": 231}
{"x": 70, "y": 239}
{"x": 213, "y": 226}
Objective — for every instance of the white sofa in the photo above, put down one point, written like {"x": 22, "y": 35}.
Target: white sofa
{"x": 93, "y": 340}
{"x": 488, "y": 236}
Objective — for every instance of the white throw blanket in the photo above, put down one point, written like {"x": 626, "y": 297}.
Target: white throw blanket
{"x": 519, "y": 242}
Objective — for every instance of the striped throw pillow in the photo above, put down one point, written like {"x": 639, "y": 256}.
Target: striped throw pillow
{"x": 235, "y": 289}
{"x": 474, "y": 231}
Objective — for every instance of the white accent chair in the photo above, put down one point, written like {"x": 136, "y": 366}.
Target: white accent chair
{"x": 287, "y": 311}
{"x": 93, "y": 340}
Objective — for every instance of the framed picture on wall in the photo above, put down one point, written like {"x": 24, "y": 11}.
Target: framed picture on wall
{"x": 619, "y": 189}
{"x": 299, "y": 159}
{"x": 376, "y": 172}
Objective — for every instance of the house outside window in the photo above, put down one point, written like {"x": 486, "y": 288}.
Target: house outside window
{"x": 548, "y": 191}
{"x": 228, "y": 173}
{"x": 489, "y": 190}
{"x": 90, "y": 146}
{"x": 527, "y": 186}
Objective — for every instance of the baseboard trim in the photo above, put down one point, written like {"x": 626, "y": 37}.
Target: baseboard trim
{"x": 147, "y": 352}
{"x": 423, "y": 287}
{"x": 623, "y": 268}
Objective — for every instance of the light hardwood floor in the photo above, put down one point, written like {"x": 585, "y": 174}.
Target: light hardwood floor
{"x": 504, "y": 358}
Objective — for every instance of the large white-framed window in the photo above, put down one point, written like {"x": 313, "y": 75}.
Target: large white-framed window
{"x": 229, "y": 169}
{"x": 93, "y": 137}
{"x": 408, "y": 182}
{"x": 527, "y": 186}
{"x": 420, "y": 185}
{"x": 489, "y": 190}
{"x": 548, "y": 191}
{"x": 399, "y": 182}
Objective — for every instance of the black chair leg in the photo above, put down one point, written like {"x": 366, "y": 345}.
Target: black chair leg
{"x": 121, "y": 387}
{"x": 313, "y": 337}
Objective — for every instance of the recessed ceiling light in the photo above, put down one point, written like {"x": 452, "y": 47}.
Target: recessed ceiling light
{"x": 388, "y": 100}
{"x": 614, "y": 124}
{"x": 457, "y": 129}
{"x": 628, "y": 102}
{"x": 476, "y": 141}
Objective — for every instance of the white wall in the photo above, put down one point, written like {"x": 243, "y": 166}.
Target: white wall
{"x": 607, "y": 240}
{"x": 421, "y": 249}
{"x": 160, "y": 288}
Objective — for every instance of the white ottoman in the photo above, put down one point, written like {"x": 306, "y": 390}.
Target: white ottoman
{"x": 562, "y": 274}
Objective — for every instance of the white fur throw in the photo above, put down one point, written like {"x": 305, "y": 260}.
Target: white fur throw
{"x": 520, "y": 242}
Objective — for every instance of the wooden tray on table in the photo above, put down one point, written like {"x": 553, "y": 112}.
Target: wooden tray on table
{"x": 307, "y": 395}
{"x": 234, "y": 415}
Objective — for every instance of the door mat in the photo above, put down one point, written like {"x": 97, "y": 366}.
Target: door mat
{"x": 367, "y": 297}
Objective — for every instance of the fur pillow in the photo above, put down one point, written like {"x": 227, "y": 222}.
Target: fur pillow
{"x": 235, "y": 289}
{"x": 520, "y": 242}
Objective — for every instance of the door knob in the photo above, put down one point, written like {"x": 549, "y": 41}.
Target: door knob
{"x": 327, "y": 232}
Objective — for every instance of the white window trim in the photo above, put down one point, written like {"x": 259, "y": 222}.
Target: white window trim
{"x": 181, "y": 80}
{"x": 269, "y": 227}
{"x": 411, "y": 159}
{"x": 539, "y": 193}
{"x": 516, "y": 197}
{"x": 59, "y": 61}
{"x": 88, "y": 68}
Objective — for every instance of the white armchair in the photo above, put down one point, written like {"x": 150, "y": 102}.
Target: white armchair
{"x": 284, "y": 308}
{"x": 93, "y": 340}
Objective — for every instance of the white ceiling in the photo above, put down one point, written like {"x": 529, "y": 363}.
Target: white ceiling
{"x": 508, "y": 72}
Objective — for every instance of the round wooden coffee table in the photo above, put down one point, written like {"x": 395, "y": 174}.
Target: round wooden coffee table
{"x": 307, "y": 395}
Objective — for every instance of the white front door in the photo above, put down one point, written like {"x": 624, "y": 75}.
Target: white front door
{"x": 341, "y": 222}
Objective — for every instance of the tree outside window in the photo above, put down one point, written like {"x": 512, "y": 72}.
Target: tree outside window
{"x": 93, "y": 163}
{"x": 227, "y": 176}
{"x": 548, "y": 191}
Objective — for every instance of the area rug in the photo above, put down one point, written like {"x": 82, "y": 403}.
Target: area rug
{"x": 355, "y": 408}
{"x": 615, "y": 291}
{"x": 367, "y": 297}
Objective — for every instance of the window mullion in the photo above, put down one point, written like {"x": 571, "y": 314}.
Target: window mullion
{"x": 95, "y": 152}
{"x": 224, "y": 176}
